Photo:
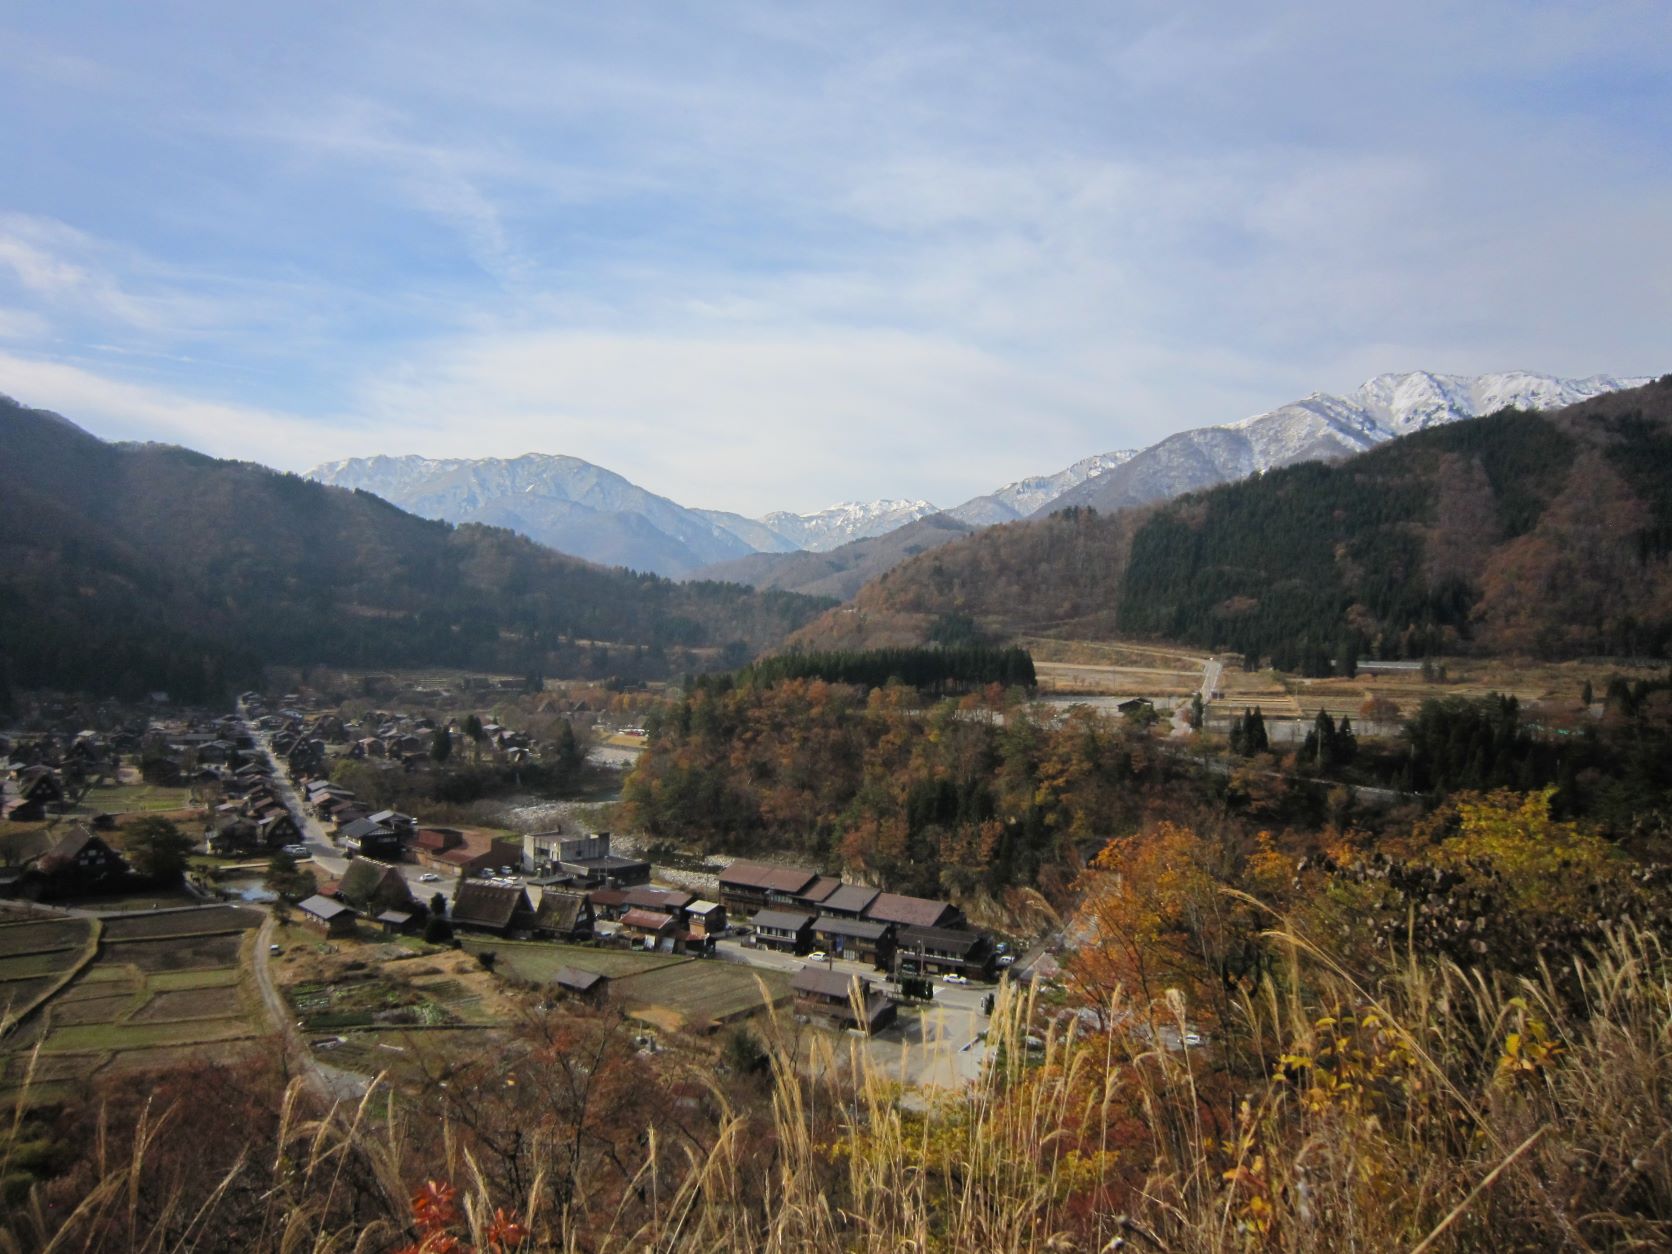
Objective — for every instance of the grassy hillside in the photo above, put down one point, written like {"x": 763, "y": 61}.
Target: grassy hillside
{"x": 144, "y": 566}
{"x": 1546, "y": 534}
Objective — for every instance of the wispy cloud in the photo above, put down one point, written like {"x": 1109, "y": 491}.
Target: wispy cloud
{"x": 758, "y": 257}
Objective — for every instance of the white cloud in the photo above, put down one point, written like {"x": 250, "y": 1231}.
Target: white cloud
{"x": 117, "y": 409}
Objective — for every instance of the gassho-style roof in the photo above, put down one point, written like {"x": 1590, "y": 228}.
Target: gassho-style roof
{"x": 559, "y": 911}
{"x": 488, "y": 905}
{"x": 776, "y": 879}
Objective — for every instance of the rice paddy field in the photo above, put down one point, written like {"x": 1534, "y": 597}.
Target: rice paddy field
{"x": 122, "y": 992}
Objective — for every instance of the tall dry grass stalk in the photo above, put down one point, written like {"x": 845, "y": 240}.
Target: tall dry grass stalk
{"x": 1435, "y": 1109}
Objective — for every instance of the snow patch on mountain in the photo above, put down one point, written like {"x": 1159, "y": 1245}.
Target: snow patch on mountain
{"x": 845, "y": 521}
{"x": 1323, "y": 427}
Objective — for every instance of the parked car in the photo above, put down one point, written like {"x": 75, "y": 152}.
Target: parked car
{"x": 952, "y": 977}
{"x": 428, "y": 877}
{"x": 296, "y": 851}
{"x": 818, "y": 955}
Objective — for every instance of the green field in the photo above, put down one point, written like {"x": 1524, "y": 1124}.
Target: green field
{"x": 86, "y": 1037}
{"x": 539, "y": 961}
{"x": 136, "y": 799}
{"x": 28, "y": 966}
{"x": 704, "y": 989}
{"x": 175, "y": 987}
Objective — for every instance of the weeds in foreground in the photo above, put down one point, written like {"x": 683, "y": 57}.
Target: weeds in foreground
{"x": 1437, "y": 1109}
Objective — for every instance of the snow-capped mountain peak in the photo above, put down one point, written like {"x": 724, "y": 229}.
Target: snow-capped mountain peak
{"x": 845, "y": 521}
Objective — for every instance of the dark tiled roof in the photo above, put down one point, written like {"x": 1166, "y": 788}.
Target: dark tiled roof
{"x": 577, "y": 980}
{"x": 816, "y": 978}
{"x": 859, "y": 929}
{"x": 944, "y": 939}
{"x": 658, "y": 898}
{"x": 323, "y": 908}
{"x": 907, "y": 911}
{"x": 609, "y": 898}
{"x": 776, "y": 879}
{"x": 649, "y": 920}
{"x": 784, "y": 920}
{"x": 819, "y": 889}
{"x": 849, "y": 899}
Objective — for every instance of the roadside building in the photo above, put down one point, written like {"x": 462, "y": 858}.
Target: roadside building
{"x": 942, "y": 951}
{"x": 648, "y": 928}
{"x": 746, "y": 887}
{"x": 787, "y": 930}
{"x": 858, "y": 939}
{"x": 903, "y": 911}
{"x": 705, "y": 920}
{"x": 830, "y": 997}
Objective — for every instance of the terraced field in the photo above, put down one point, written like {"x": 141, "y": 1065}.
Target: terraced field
{"x": 142, "y": 989}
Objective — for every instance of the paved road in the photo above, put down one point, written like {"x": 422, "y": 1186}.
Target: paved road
{"x": 1210, "y": 684}
{"x": 324, "y": 851}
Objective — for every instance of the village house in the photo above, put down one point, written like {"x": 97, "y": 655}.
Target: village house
{"x": 858, "y": 939}
{"x": 369, "y": 885}
{"x": 905, "y": 911}
{"x": 942, "y": 951}
{"x": 330, "y": 918}
{"x": 746, "y": 887}
{"x": 498, "y": 908}
{"x": 829, "y": 996}
{"x": 587, "y": 986}
{"x": 563, "y": 915}
{"x": 787, "y": 930}
{"x": 706, "y": 920}
{"x": 648, "y": 927}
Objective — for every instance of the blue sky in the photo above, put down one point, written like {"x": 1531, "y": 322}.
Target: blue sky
{"x": 760, "y": 256}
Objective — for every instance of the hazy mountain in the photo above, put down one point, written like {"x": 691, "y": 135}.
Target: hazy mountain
{"x": 563, "y": 502}
{"x": 1025, "y": 496}
{"x": 850, "y": 520}
{"x": 1321, "y": 427}
{"x": 138, "y": 567}
{"x": 1528, "y": 533}
{"x": 841, "y": 571}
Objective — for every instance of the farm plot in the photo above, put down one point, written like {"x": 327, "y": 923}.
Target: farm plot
{"x": 370, "y": 1001}
{"x": 39, "y": 935}
{"x": 539, "y": 962}
{"x": 697, "y": 990}
{"x": 166, "y": 984}
{"x": 205, "y": 922}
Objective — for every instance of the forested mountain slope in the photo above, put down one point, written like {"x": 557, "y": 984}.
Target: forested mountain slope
{"x": 136, "y": 567}
{"x": 1546, "y": 534}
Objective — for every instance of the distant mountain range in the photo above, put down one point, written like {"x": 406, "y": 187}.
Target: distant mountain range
{"x": 582, "y": 509}
{"x": 1544, "y": 534}
{"x": 139, "y": 567}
